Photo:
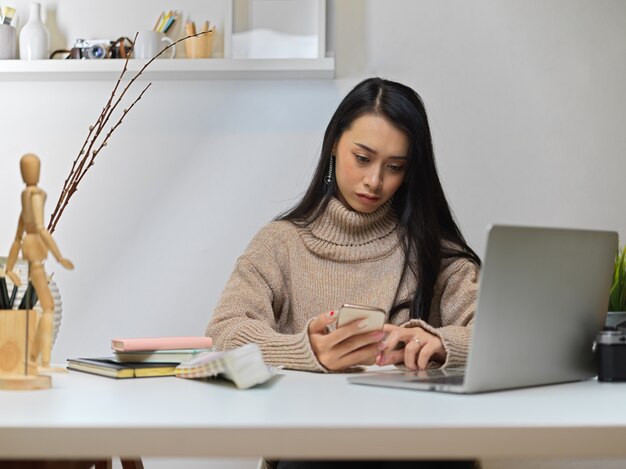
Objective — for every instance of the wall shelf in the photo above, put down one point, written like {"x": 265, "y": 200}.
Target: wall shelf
{"x": 167, "y": 69}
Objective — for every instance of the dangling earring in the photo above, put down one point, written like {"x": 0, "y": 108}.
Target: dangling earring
{"x": 329, "y": 178}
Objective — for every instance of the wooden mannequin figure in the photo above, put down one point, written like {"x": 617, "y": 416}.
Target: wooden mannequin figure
{"x": 35, "y": 247}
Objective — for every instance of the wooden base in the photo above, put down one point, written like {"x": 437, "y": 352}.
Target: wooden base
{"x": 51, "y": 369}
{"x": 24, "y": 382}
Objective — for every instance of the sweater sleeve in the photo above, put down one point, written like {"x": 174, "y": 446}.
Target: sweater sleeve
{"x": 455, "y": 295}
{"x": 248, "y": 310}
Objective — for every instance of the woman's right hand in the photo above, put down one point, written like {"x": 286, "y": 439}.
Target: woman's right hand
{"x": 346, "y": 346}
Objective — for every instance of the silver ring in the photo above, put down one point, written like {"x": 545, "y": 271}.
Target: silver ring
{"x": 417, "y": 341}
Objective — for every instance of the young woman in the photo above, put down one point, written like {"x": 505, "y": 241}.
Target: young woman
{"x": 374, "y": 228}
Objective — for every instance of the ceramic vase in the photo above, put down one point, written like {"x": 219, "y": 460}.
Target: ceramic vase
{"x": 8, "y": 42}
{"x": 34, "y": 36}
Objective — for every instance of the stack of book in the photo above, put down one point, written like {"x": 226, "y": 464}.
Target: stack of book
{"x": 143, "y": 357}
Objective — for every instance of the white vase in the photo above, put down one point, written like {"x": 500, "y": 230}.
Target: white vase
{"x": 34, "y": 36}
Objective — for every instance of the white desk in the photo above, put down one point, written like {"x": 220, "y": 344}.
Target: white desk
{"x": 307, "y": 415}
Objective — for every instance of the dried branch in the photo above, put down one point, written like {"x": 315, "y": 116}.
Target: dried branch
{"x": 69, "y": 183}
{"x": 87, "y": 153}
{"x": 95, "y": 153}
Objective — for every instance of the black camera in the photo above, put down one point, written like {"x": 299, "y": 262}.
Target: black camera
{"x": 610, "y": 349}
{"x": 91, "y": 49}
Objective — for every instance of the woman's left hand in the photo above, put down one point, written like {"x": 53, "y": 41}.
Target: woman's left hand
{"x": 420, "y": 347}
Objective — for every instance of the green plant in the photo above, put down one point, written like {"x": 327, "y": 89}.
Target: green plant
{"x": 617, "y": 300}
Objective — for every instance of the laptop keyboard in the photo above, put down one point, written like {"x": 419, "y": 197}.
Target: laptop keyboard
{"x": 454, "y": 379}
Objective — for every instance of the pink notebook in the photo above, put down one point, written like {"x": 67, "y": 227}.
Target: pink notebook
{"x": 160, "y": 343}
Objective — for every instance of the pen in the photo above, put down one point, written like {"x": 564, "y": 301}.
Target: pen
{"x": 163, "y": 21}
{"x": 13, "y": 295}
{"x": 29, "y": 299}
{"x": 158, "y": 22}
{"x": 169, "y": 23}
{"x": 33, "y": 297}
{"x": 4, "y": 294}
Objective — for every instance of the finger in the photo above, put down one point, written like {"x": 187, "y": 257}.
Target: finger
{"x": 349, "y": 330}
{"x": 318, "y": 325}
{"x": 425, "y": 354}
{"x": 390, "y": 357}
{"x": 394, "y": 338}
{"x": 362, "y": 356}
{"x": 359, "y": 341}
{"x": 411, "y": 351}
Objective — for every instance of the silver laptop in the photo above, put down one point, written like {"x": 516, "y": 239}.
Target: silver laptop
{"x": 542, "y": 299}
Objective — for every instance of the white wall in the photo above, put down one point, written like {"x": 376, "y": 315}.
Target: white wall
{"x": 191, "y": 174}
{"x": 527, "y": 103}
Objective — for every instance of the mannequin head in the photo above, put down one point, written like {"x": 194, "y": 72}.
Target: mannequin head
{"x": 30, "y": 166}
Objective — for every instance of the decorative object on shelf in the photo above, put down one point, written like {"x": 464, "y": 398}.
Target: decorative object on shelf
{"x": 86, "y": 49}
{"x": 200, "y": 47}
{"x": 8, "y": 42}
{"x": 35, "y": 242}
{"x": 7, "y": 15}
{"x": 279, "y": 30}
{"x": 34, "y": 36}
{"x": 149, "y": 43}
{"x": 617, "y": 298}
{"x": 165, "y": 21}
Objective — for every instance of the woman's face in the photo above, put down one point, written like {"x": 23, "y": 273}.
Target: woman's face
{"x": 371, "y": 156}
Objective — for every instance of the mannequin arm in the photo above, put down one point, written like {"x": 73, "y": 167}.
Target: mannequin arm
{"x": 37, "y": 204}
{"x": 15, "y": 250}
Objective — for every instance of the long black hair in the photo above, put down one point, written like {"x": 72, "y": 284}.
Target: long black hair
{"x": 428, "y": 231}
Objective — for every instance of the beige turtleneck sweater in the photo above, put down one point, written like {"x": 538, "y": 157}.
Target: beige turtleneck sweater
{"x": 289, "y": 274}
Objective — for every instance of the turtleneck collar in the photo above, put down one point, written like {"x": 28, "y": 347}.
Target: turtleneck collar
{"x": 345, "y": 235}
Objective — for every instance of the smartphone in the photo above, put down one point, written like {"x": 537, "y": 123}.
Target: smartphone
{"x": 375, "y": 316}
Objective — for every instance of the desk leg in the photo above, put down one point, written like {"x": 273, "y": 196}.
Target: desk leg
{"x": 104, "y": 464}
{"x": 132, "y": 463}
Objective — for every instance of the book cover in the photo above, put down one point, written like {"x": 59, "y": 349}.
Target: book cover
{"x": 158, "y": 356}
{"x": 243, "y": 365}
{"x": 160, "y": 343}
{"x": 107, "y": 366}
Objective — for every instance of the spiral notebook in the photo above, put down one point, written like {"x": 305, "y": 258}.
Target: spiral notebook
{"x": 244, "y": 366}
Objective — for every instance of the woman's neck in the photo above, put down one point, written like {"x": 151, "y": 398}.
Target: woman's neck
{"x": 343, "y": 234}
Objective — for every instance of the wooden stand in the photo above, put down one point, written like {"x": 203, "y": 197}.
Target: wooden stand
{"x": 17, "y": 372}
{"x": 24, "y": 382}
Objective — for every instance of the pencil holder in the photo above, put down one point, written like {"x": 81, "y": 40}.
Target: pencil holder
{"x": 19, "y": 302}
{"x": 200, "y": 47}
{"x": 17, "y": 331}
